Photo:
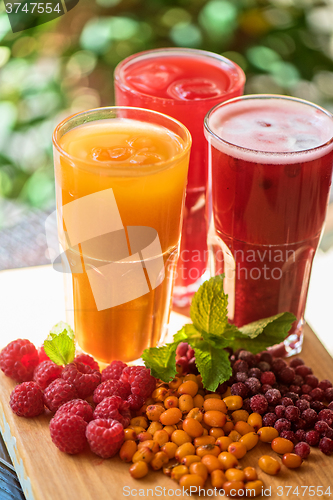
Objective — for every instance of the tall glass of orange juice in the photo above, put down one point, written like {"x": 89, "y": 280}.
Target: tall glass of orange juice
{"x": 120, "y": 178}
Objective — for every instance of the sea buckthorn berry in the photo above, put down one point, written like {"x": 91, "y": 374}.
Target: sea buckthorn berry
{"x": 150, "y": 444}
{"x": 214, "y": 395}
{"x": 171, "y": 416}
{"x": 139, "y": 469}
{"x": 192, "y": 427}
{"x": 139, "y": 422}
{"x": 250, "y": 474}
{"x": 234, "y": 435}
{"x": 161, "y": 437}
{"x": 170, "y": 429}
{"x": 215, "y": 404}
{"x": 190, "y": 376}
{"x": 137, "y": 429}
{"x": 223, "y": 442}
{"x": 160, "y": 394}
{"x": 217, "y": 478}
{"x": 180, "y": 425}
{"x": 215, "y": 418}
{"x": 154, "y": 412}
{"x": 233, "y": 402}
{"x": 238, "y": 449}
{"x": 269, "y": 465}
{"x": 255, "y": 420}
{"x": 191, "y": 480}
{"x": 228, "y": 426}
{"x": 190, "y": 459}
{"x": 200, "y": 469}
{"x": 179, "y": 471}
{"x": 227, "y": 460}
{"x": 211, "y": 462}
{"x": 130, "y": 434}
{"x": 205, "y": 431}
{"x": 144, "y": 436}
{"x": 267, "y": 434}
{"x": 143, "y": 454}
{"x": 185, "y": 403}
{"x": 240, "y": 415}
{"x": 250, "y": 440}
{"x": 234, "y": 488}
{"x": 291, "y": 460}
{"x": 159, "y": 460}
{"x": 183, "y": 450}
{"x": 207, "y": 449}
{"x": 180, "y": 437}
{"x": 127, "y": 450}
{"x": 195, "y": 413}
{"x": 234, "y": 474}
{"x": 175, "y": 383}
{"x": 170, "y": 449}
{"x": 154, "y": 426}
{"x": 282, "y": 446}
{"x": 171, "y": 402}
{"x": 243, "y": 427}
{"x": 216, "y": 432}
{"x": 198, "y": 401}
{"x": 189, "y": 387}
{"x": 202, "y": 440}
{"x": 254, "y": 488}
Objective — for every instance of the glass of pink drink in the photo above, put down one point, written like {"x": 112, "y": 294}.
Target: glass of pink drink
{"x": 185, "y": 84}
{"x": 270, "y": 172}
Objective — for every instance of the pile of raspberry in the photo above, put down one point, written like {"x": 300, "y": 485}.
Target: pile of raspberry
{"x": 289, "y": 397}
{"x": 90, "y": 407}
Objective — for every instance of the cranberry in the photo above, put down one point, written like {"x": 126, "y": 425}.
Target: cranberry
{"x": 295, "y": 389}
{"x": 253, "y": 385}
{"x": 329, "y": 394}
{"x": 312, "y": 438}
{"x": 317, "y": 406}
{"x": 326, "y": 446}
{"x": 282, "y": 388}
{"x": 269, "y": 419}
{"x": 259, "y": 403}
{"x": 241, "y": 377}
{"x": 302, "y": 450}
{"x": 222, "y": 388}
{"x": 254, "y": 372}
{"x": 247, "y": 405}
{"x": 265, "y": 388}
{"x": 303, "y": 370}
{"x": 266, "y": 356}
{"x": 317, "y": 394}
{"x": 310, "y": 416}
{"x": 287, "y": 375}
{"x": 302, "y": 404}
{"x": 325, "y": 384}
{"x": 298, "y": 380}
{"x": 327, "y": 416}
{"x": 296, "y": 362}
{"x": 300, "y": 424}
{"x": 329, "y": 433}
{"x": 278, "y": 365}
{"x": 292, "y": 413}
{"x": 240, "y": 366}
{"x": 280, "y": 410}
{"x": 268, "y": 378}
{"x": 287, "y": 402}
{"x": 248, "y": 357}
{"x": 273, "y": 396}
{"x": 311, "y": 380}
{"x": 292, "y": 395}
{"x": 306, "y": 397}
{"x": 263, "y": 366}
{"x": 239, "y": 389}
{"x": 321, "y": 426}
{"x": 300, "y": 435}
{"x": 330, "y": 406}
{"x": 290, "y": 435}
{"x": 282, "y": 424}
{"x": 306, "y": 389}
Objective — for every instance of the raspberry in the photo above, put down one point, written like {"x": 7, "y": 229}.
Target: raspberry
{"x": 311, "y": 380}
{"x": 310, "y": 416}
{"x": 325, "y": 384}
{"x": 290, "y": 435}
{"x": 87, "y": 360}
{"x": 19, "y": 359}
{"x": 327, "y": 416}
{"x": 105, "y": 437}
{"x": 312, "y": 438}
{"x": 287, "y": 375}
{"x": 303, "y": 370}
{"x": 302, "y": 450}
{"x": 113, "y": 371}
{"x": 253, "y": 384}
{"x": 241, "y": 377}
{"x": 42, "y": 355}
{"x": 78, "y": 407}
{"x": 302, "y": 404}
{"x": 84, "y": 378}
{"x": 239, "y": 389}
{"x": 26, "y": 400}
{"x": 292, "y": 413}
{"x": 68, "y": 433}
{"x": 254, "y": 372}
{"x": 46, "y": 372}
{"x": 268, "y": 378}
{"x": 114, "y": 408}
{"x": 300, "y": 435}
{"x": 142, "y": 383}
{"x": 282, "y": 424}
{"x": 326, "y": 445}
{"x": 58, "y": 393}
{"x": 111, "y": 388}
{"x": 273, "y": 396}
{"x": 280, "y": 411}
{"x": 296, "y": 362}
{"x": 317, "y": 394}
{"x": 259, "y": 403}
{"x": 135, "y": 401}
{"x": 269, "y": 419}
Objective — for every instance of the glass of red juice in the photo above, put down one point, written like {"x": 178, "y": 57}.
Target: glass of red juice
{"x": 185, "y": 84}
{"x": 270, "y": 171}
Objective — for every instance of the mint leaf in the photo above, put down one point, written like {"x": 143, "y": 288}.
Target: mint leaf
{"x": 161, "y": 361}
{"x": 209, "y": 307}
{"x": 257, "y": 336}
{"x": 61, "y": 348}
{"x": 212, "y": 363}
{"x": 60, "y": 328}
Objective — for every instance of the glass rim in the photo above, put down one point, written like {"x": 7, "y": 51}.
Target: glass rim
{"x": 113, "y": 165}
{"x": 147, "y": 54}
{"x": 255, "y": 97}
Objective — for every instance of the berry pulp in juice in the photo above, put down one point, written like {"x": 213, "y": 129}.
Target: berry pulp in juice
{"x": 144, "y": 166}
{"x": 184, "y": 84}
{"x": 270, "y": 181}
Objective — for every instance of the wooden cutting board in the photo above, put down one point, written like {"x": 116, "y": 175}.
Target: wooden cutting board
{"x": 47, "y": 474}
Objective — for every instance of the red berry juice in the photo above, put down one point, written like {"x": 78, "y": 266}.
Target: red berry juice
{"x": 185, "y": 84}
{"x": 269, "y": 176}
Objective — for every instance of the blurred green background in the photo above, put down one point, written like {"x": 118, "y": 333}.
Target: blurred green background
{"x": 66, "y": 65}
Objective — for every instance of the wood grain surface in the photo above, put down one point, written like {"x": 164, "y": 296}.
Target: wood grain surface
{"x": 47, "y": 474}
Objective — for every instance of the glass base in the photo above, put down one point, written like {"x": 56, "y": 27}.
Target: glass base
{"x": 291, "y": 345}
{"x": 182, "y": 295}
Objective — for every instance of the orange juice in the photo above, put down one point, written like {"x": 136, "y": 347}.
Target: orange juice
{"x": 143, "y": 162}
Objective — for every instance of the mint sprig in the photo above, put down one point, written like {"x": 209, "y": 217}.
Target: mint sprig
{"x": 59, "y": 345}
{"x": 211, "y": 332}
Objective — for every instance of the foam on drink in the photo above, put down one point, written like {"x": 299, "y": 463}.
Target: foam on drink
{"x": 267, "y": 130}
